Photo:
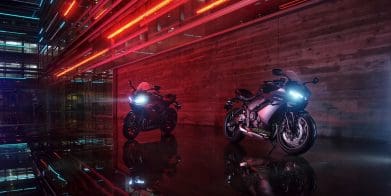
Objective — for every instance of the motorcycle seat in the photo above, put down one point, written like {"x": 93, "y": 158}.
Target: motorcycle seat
{"x": 244, "y": 94}
{"x": 268, "y": 88}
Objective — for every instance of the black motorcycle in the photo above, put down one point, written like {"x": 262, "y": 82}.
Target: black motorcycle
{"x": 276, "y": 112}
{"x": 150, "y": 110}
{"x": 290, "y": 175}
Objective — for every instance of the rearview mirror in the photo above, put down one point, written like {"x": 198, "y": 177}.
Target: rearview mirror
{"x": 315, "y": 80}
{"x": 277, "y": 72}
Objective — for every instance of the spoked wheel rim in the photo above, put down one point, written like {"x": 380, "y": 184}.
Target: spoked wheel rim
{"x": 297, "y": 135}
{"x": 132, "y": 132}
{"x": 130, "y": 127}
{"x": 231, "y": 124}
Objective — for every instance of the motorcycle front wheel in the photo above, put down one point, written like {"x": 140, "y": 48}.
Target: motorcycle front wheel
{"x": 170, "y": 122}
{"x": 231, "y": 125}
{"x": 297, "y": 133}
{"x": 130, "y": 129}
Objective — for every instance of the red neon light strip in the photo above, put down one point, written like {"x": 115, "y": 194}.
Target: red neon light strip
{"x": 211, "y": 17}
{"x": 210, "y": 6}
{"x": 69, "y": 8}
{"x": 100, "y": 14}
{"x": 100, "y": 28}
{"x": 129, "y": 37}
{"x": 139, "y": 18}
{"x": 161, "y": 12}
{"x": 292, "y": 3}
{"x": 82, "y": 62}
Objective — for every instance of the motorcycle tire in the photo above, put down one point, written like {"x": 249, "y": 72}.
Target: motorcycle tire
{"x": 130, "y": 129}
{"x": 233, "y": 134}
{"x": 309, "y": 140}
{"x": 169, "y": 122}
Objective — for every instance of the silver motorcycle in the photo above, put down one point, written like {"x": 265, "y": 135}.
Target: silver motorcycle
{"x": 276, "y": 112}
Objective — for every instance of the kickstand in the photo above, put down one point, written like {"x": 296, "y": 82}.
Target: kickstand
{"x": 271, "y": 150}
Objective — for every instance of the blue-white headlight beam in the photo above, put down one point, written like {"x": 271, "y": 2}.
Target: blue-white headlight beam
{"x": 295, "y": 95}
{"x": 141, "y": 99}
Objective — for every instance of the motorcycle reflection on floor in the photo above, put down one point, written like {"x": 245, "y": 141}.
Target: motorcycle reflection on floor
{"x": 288, "y": 176}
{"x": 149, "y": 162}
{"x": 276, "y": 112}
{"x": 150, "y": 110}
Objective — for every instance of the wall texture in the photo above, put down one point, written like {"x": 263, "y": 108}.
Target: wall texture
{"x": 346, "y": 43}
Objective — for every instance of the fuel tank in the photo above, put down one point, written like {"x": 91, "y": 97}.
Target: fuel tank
{"x": 267, "y": 112}
{"x": 255, "y": 103}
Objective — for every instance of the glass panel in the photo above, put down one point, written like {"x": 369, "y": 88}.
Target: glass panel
{"x": 12, "y": 46}
{"x": 13, "y": 43}
{"x": 13, "y": 75}
{"x": 30, "y": 76}
{"x": 13, "y": 65}
{"x": 31, "y": 66}
{"x": 30, "y": 48}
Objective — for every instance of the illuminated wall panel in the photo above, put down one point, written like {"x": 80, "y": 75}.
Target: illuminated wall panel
{"x": 347, "y": 50}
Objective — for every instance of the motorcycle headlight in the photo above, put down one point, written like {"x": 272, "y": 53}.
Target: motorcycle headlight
{"x": 296, "y": 95}
{"x": 136, "y": 181}
{"x": 140, "y": 100}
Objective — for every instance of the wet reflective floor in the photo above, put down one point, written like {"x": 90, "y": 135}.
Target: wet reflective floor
{"x": 200, "y": 161}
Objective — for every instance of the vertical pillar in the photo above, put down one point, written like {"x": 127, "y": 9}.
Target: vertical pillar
{"x": 114, "y": 115}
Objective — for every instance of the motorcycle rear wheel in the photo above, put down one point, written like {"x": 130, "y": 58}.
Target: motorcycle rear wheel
{"x": 170, "y": 122}
{"x": 299, "y": 140}
{"x": 130, "y": 129}
{"x": 231, "y": 126}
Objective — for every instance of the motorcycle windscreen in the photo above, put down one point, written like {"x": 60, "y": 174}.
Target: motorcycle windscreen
{"x": 293, "y": 76}
{"x": 267, "y": 112}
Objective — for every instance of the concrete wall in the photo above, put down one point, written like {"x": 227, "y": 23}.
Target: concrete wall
{"x": 346, "y": 43}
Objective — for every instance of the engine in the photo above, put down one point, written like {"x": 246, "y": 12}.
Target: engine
{"x": 256, "y": 124}
{"x": 255, "y": 120}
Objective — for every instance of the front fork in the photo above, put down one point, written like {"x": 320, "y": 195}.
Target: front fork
{"x": 291, "y": 119}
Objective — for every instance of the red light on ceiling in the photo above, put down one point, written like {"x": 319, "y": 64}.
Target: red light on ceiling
{"x": 100, "y": 14}
{"x": 291, "y": 4}
{"x": 210, "y": 6}
{"x": 139, "y": 18}
{"x": 82, "y": 62}
{"x": 69, "y": 8}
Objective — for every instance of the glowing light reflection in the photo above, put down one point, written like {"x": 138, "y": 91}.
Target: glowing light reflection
{"x": 139, "y": 18}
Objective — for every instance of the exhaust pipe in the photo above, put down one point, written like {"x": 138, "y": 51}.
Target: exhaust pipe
{"x": 250, "y": 133}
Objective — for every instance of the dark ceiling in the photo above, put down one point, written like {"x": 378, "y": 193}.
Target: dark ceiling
{"x": 20, "y": 18}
